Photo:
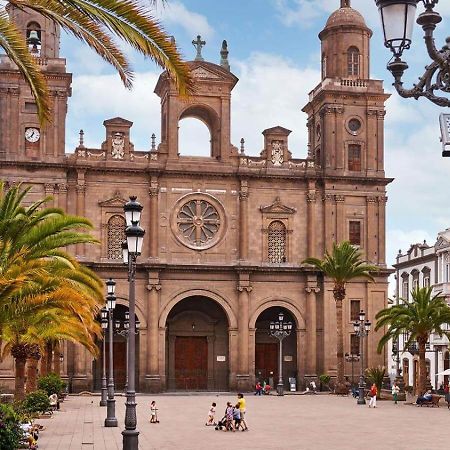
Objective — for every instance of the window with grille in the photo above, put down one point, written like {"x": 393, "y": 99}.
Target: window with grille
{"x": 353, "y": 62}
{"x": 354, "y": 232}
{"x": 355, "y": 308}
{"x": 354, "y": 344}
{"x": 354, "y": 158}
{"x": 116, "y": 235}
{"x": 277, "y": 242}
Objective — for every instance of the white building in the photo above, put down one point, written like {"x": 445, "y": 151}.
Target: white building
{"x": 422, "y": 265}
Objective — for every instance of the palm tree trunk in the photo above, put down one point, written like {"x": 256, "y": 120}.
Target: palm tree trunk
{"x": 49, "y": 351}
{"x": 340, "y": 348}
{"x": 56, "y": 360}
{"x": 422, "y": 367}
{"x": 32, "y": 364}
{"x": 19, "y": 386}
{"x": 44, "y": 364}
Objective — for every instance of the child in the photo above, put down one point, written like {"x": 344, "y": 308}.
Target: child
{"x": 395, "y": 391}
{"x": 153, "y": 413}
{"x": 237, "y": 418}
{"x": 211, "y": 413}
{"x": 229, "y": 417}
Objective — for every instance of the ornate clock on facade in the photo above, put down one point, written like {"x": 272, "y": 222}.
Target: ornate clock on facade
{"x": 32, "y": 134}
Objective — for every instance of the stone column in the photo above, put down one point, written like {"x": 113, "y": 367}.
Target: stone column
{"x": 244, "y": 290}
{"x": 380, "y": 140}
{"x": 243, "y": 221}
{"x": 340, "y": 149}
{"x": 311, "y": 199}
{"x": 62, "y": 197}
{"x": 372, "y": 142}
{"x": 341, "y": 227}
{"x": 311, "y": 326}
{"x": 81, "y": 191}
{"x": 233, "y": 356}
{"x": 49, "y": 190}
{"x": 329, "y": 222}
{"x": 154, "y": 213}
{"x": 382, "y": 230}
{"x": 372, "y": 230}
{"x": 153, "y": 374}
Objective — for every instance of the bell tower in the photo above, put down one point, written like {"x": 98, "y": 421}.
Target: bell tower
{"x": 210, "y": 103}
{"x": 21, "y": 136}
{"x": 346, "y": 110}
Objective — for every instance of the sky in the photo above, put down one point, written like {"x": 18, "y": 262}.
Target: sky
{"x": 275, "y": 52}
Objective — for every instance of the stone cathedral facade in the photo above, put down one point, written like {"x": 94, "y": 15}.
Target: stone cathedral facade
{"x": 225, "y": 234}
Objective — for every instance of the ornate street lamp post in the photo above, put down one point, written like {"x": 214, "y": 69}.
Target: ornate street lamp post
{"x": 362, "y": 328}
{"x": 397, "y": 19}
{"x": 280, "y": 330}
{"x": 123, "y": 329}
{"x": 132, "y": 249}
{"x": 111, "y": 420}
{"x": 352, "y": 358}
{"x": 104, "y": 317}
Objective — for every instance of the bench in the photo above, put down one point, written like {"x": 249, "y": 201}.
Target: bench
{"x": 433, "y": 402}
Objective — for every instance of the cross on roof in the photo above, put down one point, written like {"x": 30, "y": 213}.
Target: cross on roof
{"x": 345, "y": 3}
{"x": 199, "y": 44}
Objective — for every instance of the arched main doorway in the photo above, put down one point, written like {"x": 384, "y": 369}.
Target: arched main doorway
{"x": 267, "y": 348}
{"x": 119, "y": 356}
{"x": 197, "y": 350}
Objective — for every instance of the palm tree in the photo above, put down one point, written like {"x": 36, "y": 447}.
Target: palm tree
{"x": 342, "y": 265}
{"x": 96, "y": 23}
{"x": 418, "y": 318}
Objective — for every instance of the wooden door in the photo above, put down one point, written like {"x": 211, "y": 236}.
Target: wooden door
{"x": 120, "y": 365}
{"x": 191, "y": 363}
{"x": 266, "y": 361}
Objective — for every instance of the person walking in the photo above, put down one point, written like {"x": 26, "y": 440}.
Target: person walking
{"x": 395, "y": 391}
{"x": 153, "y": 412}
{"x": 211, "y": 415}
{"x": 373, "y": 396}
{"x": 242, "y": 409}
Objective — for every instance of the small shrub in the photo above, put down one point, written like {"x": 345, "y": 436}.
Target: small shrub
{"x": 51, "y": 383}
{"x": 36, "y": 403}
{"x": 325, "y": 379}
{"x": 10, "y": 431}
{"x": 376, "y": 376}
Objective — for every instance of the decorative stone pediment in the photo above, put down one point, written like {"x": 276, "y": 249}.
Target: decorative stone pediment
{"x": 201, "y": 72}
{"x": 115, "y": 202}
{"x": 277, "y": 207}
{"x": 442, "y": 243}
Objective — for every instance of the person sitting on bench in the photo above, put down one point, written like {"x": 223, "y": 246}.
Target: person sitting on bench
{"x": 427, "y": 397}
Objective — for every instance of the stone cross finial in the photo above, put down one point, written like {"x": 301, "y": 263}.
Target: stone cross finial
{"x": 81, "y": 144}
{"x": 224, "y": 56}
{"x": 153, "y": 141}
{"x": 345, "y": 4}
{"x": 199, "y": 44}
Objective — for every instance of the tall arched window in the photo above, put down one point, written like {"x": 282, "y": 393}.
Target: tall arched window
{"x": 324, "y": 66}
{"x": 277, "y": 242}
{"x": 353, "y": 62}
{"x": 116, "y": 235}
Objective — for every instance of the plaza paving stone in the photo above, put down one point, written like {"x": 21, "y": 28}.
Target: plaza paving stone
{"x": 291, "y": 422}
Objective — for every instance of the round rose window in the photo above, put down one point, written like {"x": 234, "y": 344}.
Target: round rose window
{"x": 198, "y": 223}
{"x": 354, "y": 125}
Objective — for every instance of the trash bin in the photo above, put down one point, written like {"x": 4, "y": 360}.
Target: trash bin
{"x": 292, "y": 384}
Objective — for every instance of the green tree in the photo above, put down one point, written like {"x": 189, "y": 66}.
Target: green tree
{"x": 342, "y": 265}
{"x": 418, "y": 318}
{"x": 376, "y": 375}
{"x": 97, "y": 23}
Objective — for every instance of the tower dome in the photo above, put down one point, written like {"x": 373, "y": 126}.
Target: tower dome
{"x": 345, "y": 44}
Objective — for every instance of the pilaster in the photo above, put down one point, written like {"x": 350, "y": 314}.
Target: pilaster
{"x": 340, "y": 218}
{"x": 153, "y": 377}
{"x": 311, "y": 202}
{"x": 243, "y": 220}
{"x": 312, "y": 290}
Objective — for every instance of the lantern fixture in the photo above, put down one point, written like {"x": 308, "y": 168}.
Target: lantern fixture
{"x": 104, "y": 313}
{"x": 110, "y": 287}
{"x": 125, "y": 252}
{"x": 132, "y": 211}
{"x": 135, "y": 238}
{"x": 397, "y": 20}
{"x": 104, "y": 324}
{"x": 362, "y": 316}
{"x": 61, "y": 358}
{"x": 111, "y": 301}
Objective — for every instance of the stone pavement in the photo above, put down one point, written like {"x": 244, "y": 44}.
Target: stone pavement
{"x": 289, "y": 423}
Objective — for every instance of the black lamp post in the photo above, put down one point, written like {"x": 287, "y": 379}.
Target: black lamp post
{"x": 132, "y": 249}
{"x": 397, "y": 19}
{"x": 280, "y": 330}
{"x": 361, "y": 328}
{"x": 111, "y": 420}
{"x": 123, "y": 329}
{"x": 104, "y": 323}
{"x": 352, "y": 358}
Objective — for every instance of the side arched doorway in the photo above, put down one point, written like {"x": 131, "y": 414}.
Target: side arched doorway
{"x": 197, "y": 348}
{"x": 119, "y": 355}
{"x": 267, "y": 349}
